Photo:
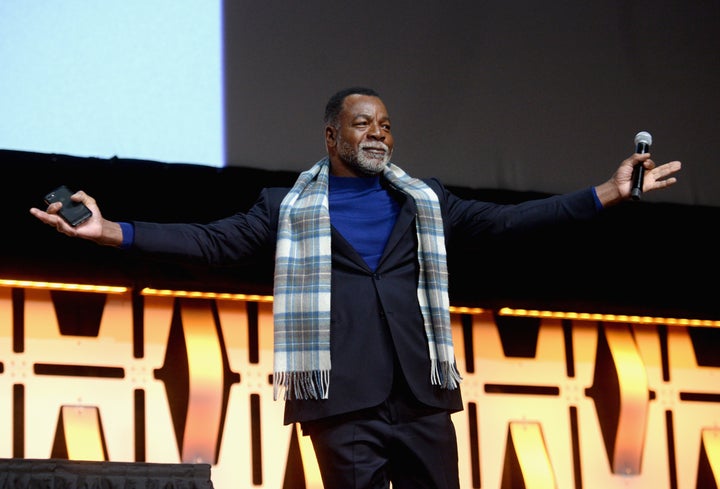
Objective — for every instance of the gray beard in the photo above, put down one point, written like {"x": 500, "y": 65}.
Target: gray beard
{"x": 362, "y": 161}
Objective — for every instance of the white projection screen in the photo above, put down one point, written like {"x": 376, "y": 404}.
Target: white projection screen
{"x": 132, "y": 79}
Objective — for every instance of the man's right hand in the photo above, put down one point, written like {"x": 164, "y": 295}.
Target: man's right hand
{"x": 97, "y": 228}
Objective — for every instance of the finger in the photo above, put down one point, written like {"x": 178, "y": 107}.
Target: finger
{"x": 45, "y": 217}
{"x": 658, "y": 184}
{"x": 663, "y": 171}
{"x": 53, "y": 208}
{"x": 80, "y": 196}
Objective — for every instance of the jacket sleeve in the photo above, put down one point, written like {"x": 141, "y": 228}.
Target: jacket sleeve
{"x": 474, "y": 218}
{"x": 228, "y": 241}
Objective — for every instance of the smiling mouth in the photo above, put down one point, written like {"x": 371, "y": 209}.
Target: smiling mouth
{"x": 375, "y": 151}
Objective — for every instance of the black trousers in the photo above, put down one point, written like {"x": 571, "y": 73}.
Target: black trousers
{"x": 400, "y": 441}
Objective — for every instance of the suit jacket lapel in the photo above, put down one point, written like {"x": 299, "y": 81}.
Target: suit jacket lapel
{"x": 345, "y": 251}
{"x": 405, "y": 218}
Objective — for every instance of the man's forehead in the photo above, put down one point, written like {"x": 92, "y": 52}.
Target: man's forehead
{"x": 357, "y": 105}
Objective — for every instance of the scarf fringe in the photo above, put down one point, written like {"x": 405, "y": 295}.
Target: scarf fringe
{"x": 301, "y": 385}
{"x": 445, "y": 374}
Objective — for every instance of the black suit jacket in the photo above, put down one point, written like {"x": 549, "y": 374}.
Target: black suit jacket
{"x": 377, "y": 325}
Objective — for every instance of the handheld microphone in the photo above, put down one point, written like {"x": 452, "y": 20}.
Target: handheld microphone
{"x": 643, "y": 140}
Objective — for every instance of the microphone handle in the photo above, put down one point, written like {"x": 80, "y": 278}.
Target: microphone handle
{"x": 639, "y": 172}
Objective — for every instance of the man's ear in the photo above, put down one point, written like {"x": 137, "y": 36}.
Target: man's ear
{"x": 330, "y": 136}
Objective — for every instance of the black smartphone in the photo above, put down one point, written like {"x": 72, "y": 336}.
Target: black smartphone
{"x": 73, "y": 212}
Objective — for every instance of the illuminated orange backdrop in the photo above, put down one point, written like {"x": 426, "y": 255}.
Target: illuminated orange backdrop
{"x": 550, "y": 402}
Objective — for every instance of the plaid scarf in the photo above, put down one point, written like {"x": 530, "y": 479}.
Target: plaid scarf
{"x": 303, "y": 266}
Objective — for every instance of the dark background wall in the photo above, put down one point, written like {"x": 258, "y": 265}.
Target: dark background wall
{"x": 658, "y": 259}
{"x": 523, "y": 95}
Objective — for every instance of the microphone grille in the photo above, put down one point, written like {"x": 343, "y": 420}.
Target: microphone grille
{"x": 643, "y": 137}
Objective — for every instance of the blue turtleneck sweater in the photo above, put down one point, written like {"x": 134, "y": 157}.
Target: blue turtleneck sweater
{"x": 364, "y": 213}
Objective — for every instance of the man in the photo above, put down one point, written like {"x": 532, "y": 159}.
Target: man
{"x": 363, "y": 352}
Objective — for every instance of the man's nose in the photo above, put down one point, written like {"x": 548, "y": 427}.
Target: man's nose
{"x": 376, "y": 132}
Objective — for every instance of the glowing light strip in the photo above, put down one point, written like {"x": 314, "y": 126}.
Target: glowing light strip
{"x": 206, "y": 295}
{"x": 505, "y": 311}
{"x": 616, "y": 318}
{"x": 29, "y": 284}
{"x": 466, "y": 310}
